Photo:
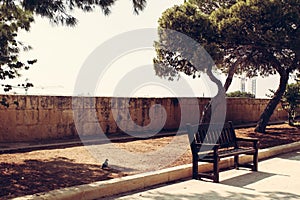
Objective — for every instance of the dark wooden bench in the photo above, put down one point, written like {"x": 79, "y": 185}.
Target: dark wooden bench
{"x": 211, "y": 142}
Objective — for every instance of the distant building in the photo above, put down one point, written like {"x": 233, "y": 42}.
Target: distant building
{"x": 243, "y": 84}
{"x": 248, "y": 85}
{"x": 253, "y": 86}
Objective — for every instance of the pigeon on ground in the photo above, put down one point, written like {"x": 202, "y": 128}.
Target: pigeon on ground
{"x": 105, "y": 164}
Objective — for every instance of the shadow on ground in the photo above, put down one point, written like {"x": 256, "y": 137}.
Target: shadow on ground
{"x": 34, "y": 176}
{"x": 294, "y": 156}
{"x": 247, "y": 179}
{"x": 217, "y": 196}
{"x": 274, "y": 136}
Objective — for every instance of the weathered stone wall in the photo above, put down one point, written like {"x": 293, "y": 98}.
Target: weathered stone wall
{"x": 54, "y": 117}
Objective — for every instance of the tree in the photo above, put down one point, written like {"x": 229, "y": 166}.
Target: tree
{"x": 251, "y": 36}
{"x": 297, "y": 78}
{"x": 290, "y": 101}
{"x": 193, "y": 21}
{"x": 16, "y": 15}
{"x": 240, "y": 94}
{"x": 12, "y": 19}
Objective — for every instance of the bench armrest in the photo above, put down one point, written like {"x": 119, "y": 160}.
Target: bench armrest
{"x": 253, "y": 140}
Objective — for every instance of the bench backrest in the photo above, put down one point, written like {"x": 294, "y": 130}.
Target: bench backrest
{"x": 222, "y": 134}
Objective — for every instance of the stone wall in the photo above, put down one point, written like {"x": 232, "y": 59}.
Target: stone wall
{"x": 54, "y": 117}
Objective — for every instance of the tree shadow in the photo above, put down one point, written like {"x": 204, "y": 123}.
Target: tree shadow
{"x": 216, "y": 195}
{"x": 291, "y": 156}
{"x": 34, "y": 176}
{"x": 247, "y": 179}
{"x": 274, "y": 130}
{"x": 274, "y": 136}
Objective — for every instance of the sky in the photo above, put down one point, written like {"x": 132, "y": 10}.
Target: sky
{"x": 62, "y": 51}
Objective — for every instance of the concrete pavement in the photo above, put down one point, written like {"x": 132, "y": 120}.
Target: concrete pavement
{"x": 277, "y": 178}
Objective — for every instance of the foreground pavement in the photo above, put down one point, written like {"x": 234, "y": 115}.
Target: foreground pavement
{"x": 277, "y": 178}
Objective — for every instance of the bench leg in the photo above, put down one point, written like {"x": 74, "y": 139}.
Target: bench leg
{"x": 236, "y": 162}
{"x": 255, "y": 161}
{"x": 216, "y": 170}
{"x": 195, "y": 166}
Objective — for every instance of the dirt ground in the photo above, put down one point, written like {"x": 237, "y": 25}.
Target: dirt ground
{"x": 45, "y": 170}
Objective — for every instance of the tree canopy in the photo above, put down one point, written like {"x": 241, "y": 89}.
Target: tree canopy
{"x": 16, "y": 15}
{"x": 12, "y": 19}
{"x": 254, "y": 37}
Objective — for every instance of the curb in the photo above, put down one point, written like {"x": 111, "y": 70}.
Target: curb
{"x": 142, "y": 181}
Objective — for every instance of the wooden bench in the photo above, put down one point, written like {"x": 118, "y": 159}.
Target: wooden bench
{"x": 211, "y": 142}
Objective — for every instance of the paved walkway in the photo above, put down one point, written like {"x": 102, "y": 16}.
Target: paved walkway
{"x": 277, "y": 178}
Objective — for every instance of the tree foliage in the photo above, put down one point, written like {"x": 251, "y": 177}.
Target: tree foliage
{"x": 240, "y": 94}
{"x": 290, "y": 100}
{"x": 254, "y": 37}
{"x": 16, "y": 15}
{"x": 59, "y": 11}
{"x": 12, "y": 19}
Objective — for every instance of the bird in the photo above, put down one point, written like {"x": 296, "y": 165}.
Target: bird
{"x": 105, "y": 164}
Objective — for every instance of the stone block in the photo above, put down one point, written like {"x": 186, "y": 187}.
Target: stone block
{"x": 32, "y": 102}
{"x": 113, "y": 128}
{"x": 120, "y": 103}
{"x": 105, "y": 114}
{"x": 103, "y": 102}
{"x": 131, "y": 184}
{"x": 156, "y": 178}
{"x": 11, "y": 101}
{"x": 77, "y": 102}
{"x": 7, "y": 134}
{"x": 31, "y": 117}
{"x": 90, "y": 128}
{"x": 21, "y": 134}
{"x": 8, "y": 117}
{"x": 120, "y": 185}
{"x": 63, "y": 103}
{"x": 85, "y": 115}
{"x": 62, "y": 130}
{"x": 105, "y": 127}
{"x": 89, "y": 102}
{"x": 48, "y": 131}
{"x": 46, "y": 102}
{"x": 55, "y": 116}
{"x": 22, "y": 101}
{"x": 72, "y": 129}
{"x": 67, "y": 116}
{"x": 19, "y": 117}
{"x": 44, "y": 117}
{"x": 34, "y": 133}
{"x": 180, "y": 172}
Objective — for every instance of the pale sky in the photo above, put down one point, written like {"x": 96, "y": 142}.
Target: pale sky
{"x": 61, "y": 52}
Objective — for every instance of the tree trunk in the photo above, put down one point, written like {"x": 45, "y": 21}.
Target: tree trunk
{"x": 291, "y": 116}
{"x": 291, "y": 119}
{"x": 230, "y": 75}
{"x": 206, "y": 115}
{"x": 215, "y": 110}
{"x": 266, "y": 115}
